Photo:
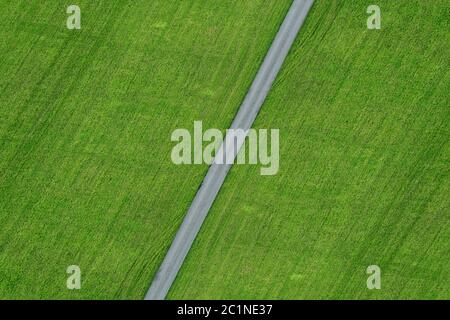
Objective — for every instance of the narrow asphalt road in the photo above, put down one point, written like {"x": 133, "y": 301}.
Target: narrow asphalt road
{"x": 217, "y": 172}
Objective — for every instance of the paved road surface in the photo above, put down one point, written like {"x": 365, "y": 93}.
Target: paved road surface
{"x": 217, "y": 172}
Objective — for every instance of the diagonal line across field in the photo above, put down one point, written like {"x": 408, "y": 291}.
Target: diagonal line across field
{"x": 217, "y": 172}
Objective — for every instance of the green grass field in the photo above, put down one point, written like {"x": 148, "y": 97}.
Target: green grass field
{"x": 364, "y": 125}
{"x": 85, "y": 122}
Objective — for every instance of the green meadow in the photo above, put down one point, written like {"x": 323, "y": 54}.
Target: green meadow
{"x": 85, "y": 123}
{"x": 364, "y": 125}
